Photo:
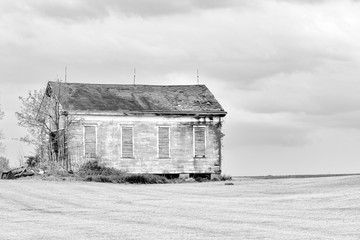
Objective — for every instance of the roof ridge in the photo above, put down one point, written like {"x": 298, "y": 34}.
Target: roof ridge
{"x": 115, "y": 84}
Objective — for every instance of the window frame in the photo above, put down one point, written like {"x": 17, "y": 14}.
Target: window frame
{"x": 132, "y": 141}
{"x": 84, "y": 140}
{"x": 158, "y": 141}
{"x": 194, "y": 142}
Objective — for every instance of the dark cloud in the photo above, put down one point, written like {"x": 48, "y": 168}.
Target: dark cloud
{"x": 314, "y": 105}
{"x": 97, "y": 10}
{"x": 68, "y": 11}
{"x": 322, "y": 96}
{"x": 145, "y": 8}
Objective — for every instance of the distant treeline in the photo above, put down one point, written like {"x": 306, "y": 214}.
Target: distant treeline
{"x": 296, "y": 176}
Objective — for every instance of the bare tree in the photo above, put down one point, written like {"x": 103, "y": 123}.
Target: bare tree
{"x": 4, "y": 164}
{"x": 47, "y": 123}
{"x": 1, "y": 134}
{"x": 27, "y": 118}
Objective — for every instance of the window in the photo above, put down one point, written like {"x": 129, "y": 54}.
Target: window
{"x": 199, "y": 141}
{"x": 90, "y": 141}
{"x": 164, "y": 142}
{"x": 127, "y": 146}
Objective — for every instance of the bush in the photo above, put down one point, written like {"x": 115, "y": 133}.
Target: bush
{"x": 127, "y": 178}
{"x": 98, "y": 178}
{"x": 52, "y": 170}
{"x": 95, "y": 168}
{"x": 91, "y": 167}
{"x": 145, "y": 178}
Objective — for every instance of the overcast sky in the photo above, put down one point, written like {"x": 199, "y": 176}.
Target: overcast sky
{"x": 287, "y": 72}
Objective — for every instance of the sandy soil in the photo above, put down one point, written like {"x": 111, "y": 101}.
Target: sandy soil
{"x": 311, "y": 208}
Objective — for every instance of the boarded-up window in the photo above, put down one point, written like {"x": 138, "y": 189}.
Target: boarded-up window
{"x": 57, "y": 139}
{"x": 164, "y": 142}
{"x": 90, "y": 141}
{"x": 127, "y": 148}
{"x": 199, "y": 141}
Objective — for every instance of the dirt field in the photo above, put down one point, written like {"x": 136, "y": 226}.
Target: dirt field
{"x": 310, "y": 208}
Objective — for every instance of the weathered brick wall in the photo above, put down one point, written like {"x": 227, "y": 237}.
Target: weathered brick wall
{"x": 146, "y": 160}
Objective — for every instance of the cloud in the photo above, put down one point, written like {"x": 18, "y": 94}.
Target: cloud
{"x": 282, "y": 69}
{"x": 311, "y": 93}
{"x": 223, "y": 40}
{"x": 260, "y": 129}
{"x": 255, "y": 134}
{"x": 344, "y": 120}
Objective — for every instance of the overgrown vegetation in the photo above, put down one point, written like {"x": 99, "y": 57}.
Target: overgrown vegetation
{"x": 96, "y": 172}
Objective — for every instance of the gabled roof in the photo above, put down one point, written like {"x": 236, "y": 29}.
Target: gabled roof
{"x": 119, "y": 98}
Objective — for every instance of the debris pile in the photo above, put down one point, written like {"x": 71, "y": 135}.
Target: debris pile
{"x": 17, "y": 173}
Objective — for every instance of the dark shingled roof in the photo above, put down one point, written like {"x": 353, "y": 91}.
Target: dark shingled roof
{"x": 177, "y": 99}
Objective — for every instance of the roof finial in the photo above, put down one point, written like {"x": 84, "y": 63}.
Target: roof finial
{"x": 134, "y": 75}
{"x": 197, "y": 71}
{"x": 65, "y": 73}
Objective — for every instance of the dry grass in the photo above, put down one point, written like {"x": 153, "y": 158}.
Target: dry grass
{"x": 308, "y": 208}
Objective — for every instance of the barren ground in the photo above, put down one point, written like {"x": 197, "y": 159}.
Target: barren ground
{"x": 309, "y": 208}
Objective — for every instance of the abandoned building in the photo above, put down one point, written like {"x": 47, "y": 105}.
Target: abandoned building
{"x": 139, "y": 128}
